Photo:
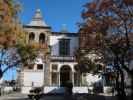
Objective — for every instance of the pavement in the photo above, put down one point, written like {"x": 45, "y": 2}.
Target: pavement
{"x": 19, "y": 96}
{"x": 14, "y": 96}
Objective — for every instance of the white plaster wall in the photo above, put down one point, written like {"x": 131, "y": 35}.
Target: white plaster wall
{"x": 54, "y": 43}
{"x": 62, "y": 90}
{"x": 25, "y": 90}
{"x": 80, "y": 89}
{"x": 39, "y": 61}
{"x": 107, "y": 89}
{"x": 91, "y": 79}
{"x": 1, "y": 80}
{"x": 37, "y": 77}
{"x": 54, "y": 89}
{"x": 8, "y": 89}
{"x": 50, "y": 89}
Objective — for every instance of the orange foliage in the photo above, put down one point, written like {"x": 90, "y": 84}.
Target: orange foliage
{"x": 105, "y": 4}
{"x": 6, "y": 11}
{"x": 103, "y": 17}
{"x": 130, "y": 25}
{"x": 9, "y": 29}
{"x": 88, "y": 14}
{"x": 91, "y": 6}
{"x": 129, "y": 2}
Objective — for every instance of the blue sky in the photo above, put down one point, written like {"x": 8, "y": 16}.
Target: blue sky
{"x": 10, "y": 74}
{"x": 55, "y": 12}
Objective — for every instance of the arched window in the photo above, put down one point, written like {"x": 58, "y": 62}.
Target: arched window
{"x": 42, "y": 38}
{"x": 31, "y": 37}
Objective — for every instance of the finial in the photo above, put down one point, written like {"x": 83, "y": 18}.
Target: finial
{"x": 38, "y": 19}
{"x": 38, "y": 15}
{"x": 64, "y": 28}
{"x": 38, "y": 10}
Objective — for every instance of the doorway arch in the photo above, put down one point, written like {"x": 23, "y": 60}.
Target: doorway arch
{"x": 65, "y": 75}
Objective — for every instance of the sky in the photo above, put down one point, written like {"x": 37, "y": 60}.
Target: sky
{"x": 11, "y": 74}
{"x": 55, "y": 13}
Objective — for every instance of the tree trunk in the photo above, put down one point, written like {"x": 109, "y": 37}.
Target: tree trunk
{"x": 1, "y": 73}
{"x": 130, "y": 73}
{"x": 117, "y": 84}
{"x": 122, "y": 86}
{"x": 132, "y": 87}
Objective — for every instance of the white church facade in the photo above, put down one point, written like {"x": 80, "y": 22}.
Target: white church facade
{"x": 53, "y": 71}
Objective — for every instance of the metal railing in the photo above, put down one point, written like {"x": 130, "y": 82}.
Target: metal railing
{"x": 63, "y": 58}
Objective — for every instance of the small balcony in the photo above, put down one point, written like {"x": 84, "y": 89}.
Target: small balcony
{"x": 62, "y": 58}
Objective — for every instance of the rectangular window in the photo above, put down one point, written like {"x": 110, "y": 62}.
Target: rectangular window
{"x": 84, "y": 81}
{"x": 54, "y": 79}
{"x": 76, "y": 79}
{"x": 31, "y": 66}
{"x": 39, "y": 66}
{"x": 54, "y": 67}
{"x": 64, "y": 47}
{"x": 54, "y": 74}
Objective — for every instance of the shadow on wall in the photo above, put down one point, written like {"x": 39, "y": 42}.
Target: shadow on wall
{"x": 54, "y": 90}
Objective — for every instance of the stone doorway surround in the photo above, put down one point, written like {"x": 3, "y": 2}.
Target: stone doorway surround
{"x": 63, "y": 69}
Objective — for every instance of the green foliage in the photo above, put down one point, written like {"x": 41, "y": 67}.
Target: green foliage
{"x": 27, "y": 53}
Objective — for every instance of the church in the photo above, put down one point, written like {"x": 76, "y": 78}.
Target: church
{"x": 53, "y": 71}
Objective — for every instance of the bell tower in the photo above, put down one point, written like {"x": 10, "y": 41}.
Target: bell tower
{"x": 37, "y": 30}
{"x": 38, "y": 34}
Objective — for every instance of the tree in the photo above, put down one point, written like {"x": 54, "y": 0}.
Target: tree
{"x": 109, "y": 23}
{"x": 14, "y": 51}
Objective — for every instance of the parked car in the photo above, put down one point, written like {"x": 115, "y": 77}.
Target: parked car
{"x": 35, "y": 93}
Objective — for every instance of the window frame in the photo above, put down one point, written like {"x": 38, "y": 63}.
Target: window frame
{"x": 54, "y": 71}
{"x": 42, "y": 40}
{"x": 64, "y": 47}
{"x": 30, "y": 67}
{"x": 38, "y": 65}
{"x": 31, "y": 37}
